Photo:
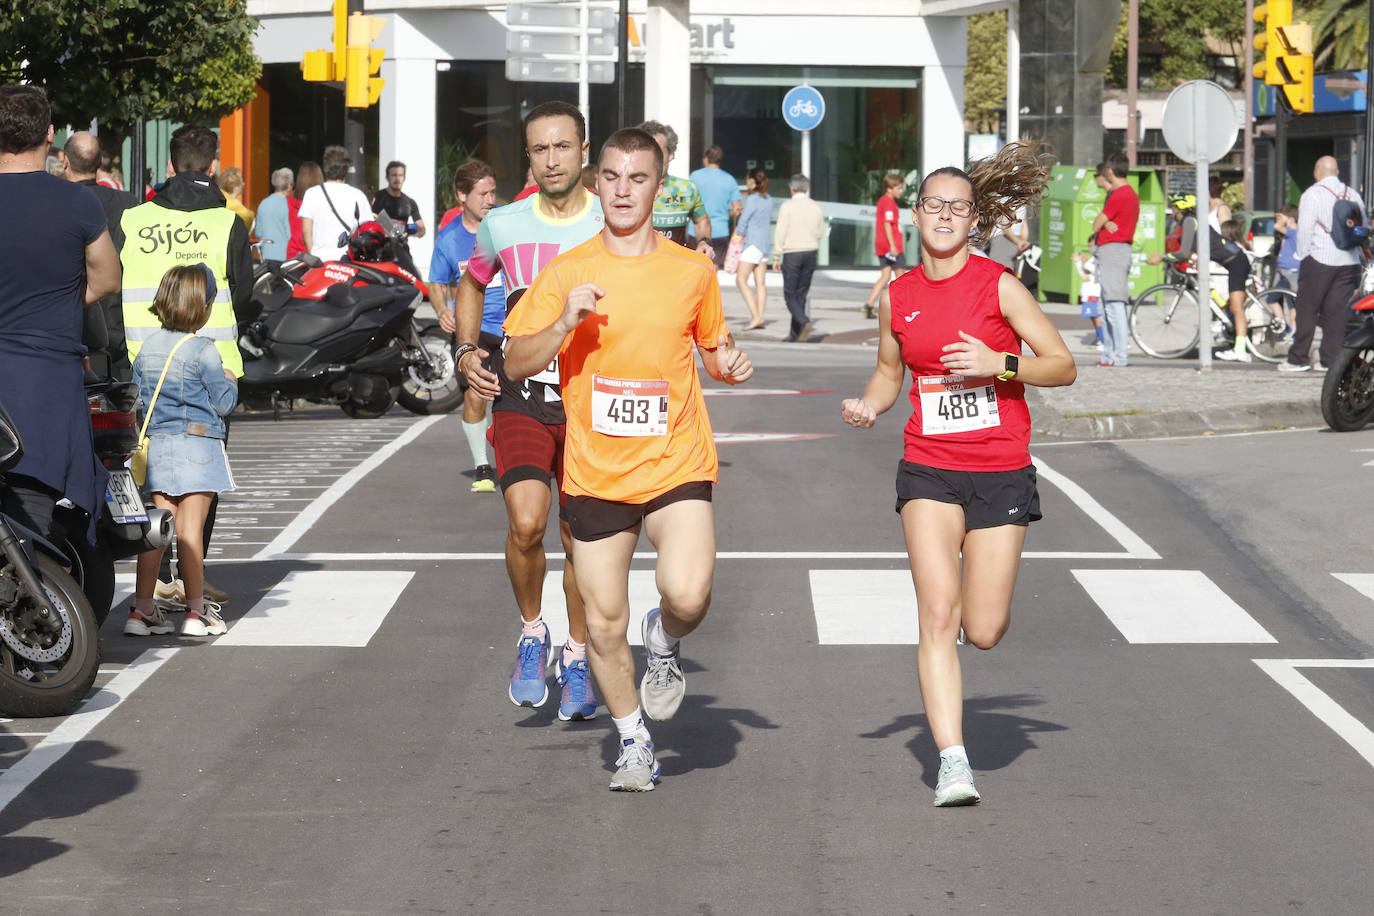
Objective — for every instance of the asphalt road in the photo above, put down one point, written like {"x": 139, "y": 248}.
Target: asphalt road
{"x": 1178, "y": 721}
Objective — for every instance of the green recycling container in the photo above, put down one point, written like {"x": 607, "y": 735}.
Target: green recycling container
{"x": 1066, "y": 218}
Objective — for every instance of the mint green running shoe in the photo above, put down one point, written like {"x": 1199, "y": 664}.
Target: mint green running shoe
{"x": 954, "y": 786}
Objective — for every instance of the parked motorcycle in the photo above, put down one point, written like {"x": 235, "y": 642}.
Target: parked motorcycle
{"x": 124, "y": 527}
{"x": 1348, "y": 390}
{"x": 345, "y": 332}
{"x": 49, "y": 640}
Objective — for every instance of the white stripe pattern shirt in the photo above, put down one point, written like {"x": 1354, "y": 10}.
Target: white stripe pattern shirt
{"x": 1314, "y": 223}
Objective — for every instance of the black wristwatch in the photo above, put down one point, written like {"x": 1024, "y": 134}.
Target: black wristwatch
{"x": 1012, "y": 364}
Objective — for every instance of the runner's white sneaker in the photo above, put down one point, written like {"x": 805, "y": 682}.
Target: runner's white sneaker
{"x": 954, "y": 787}
{"x": 663, "y": 687}
{"x": 636, "y": 768}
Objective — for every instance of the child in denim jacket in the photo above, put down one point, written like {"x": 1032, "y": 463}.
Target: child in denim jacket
{"x": 187, "y": 463}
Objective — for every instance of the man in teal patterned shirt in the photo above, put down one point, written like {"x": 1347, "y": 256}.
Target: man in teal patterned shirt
{"x": 679, "y": 200}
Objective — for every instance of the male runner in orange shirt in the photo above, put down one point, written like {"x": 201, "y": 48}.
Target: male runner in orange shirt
{"x": 622, "y": 312}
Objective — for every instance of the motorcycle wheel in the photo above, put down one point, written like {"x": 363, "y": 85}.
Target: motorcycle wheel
{"x": 40, "y": 676}
{"x": 441, "y": 394}
{"x": 1348, "y": 390}
{"x": 370, "y": 410}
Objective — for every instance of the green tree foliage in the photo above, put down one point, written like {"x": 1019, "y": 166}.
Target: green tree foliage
{"x": 1174, "y": 35}
{"x": 985, "y": 77}
{"x": 1340, "y": 33}
{"x": 122, "y": 60}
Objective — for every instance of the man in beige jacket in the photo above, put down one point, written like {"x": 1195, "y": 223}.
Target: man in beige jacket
{"x": 796, "y": 237}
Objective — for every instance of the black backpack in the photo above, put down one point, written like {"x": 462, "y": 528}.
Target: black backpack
{"x": 1345, "y": 216}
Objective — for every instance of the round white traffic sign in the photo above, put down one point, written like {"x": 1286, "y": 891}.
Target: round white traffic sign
{"x": 1199, "y": 122}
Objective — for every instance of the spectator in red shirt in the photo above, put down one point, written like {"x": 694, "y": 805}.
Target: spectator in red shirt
{"x": 887, "y": 240}
{"x": 1114, "y": 229}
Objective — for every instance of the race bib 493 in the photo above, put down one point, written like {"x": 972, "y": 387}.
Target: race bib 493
{"x": 629, "y": 407}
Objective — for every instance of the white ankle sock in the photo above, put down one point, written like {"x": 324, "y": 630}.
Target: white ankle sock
{"x": 631, "y": 726}
{"x": 955, "y": 750}
{"x": 657, "y": 639}
{"x": 476, "y": 434}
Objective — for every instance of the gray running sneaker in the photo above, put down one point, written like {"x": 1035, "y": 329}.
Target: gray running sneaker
{"x": 636, "y": 770}
{"x": 663, "y": 687}
{"x": 954, "y": 787}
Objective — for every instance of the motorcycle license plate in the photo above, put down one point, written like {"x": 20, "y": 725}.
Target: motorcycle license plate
{"x": 121, "y": 495}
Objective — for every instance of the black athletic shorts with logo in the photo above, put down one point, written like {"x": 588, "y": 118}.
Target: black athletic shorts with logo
{"x": 592, "y": 519}
{"x": 990, "y": 498}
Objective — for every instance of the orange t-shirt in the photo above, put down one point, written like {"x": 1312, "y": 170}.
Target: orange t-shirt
{"x": 621, "y": 365}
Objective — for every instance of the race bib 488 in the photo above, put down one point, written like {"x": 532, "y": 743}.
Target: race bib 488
{"x": 954, "y": 404}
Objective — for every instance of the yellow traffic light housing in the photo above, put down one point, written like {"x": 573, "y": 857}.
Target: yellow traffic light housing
{"x": 1294, "y": 65}
{"x": 1275, "y": 14}
{"x": 330, "y": 66}
{"x": 362, "y": 86}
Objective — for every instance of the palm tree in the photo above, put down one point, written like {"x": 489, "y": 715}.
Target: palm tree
{"x": 1340, "y": 34}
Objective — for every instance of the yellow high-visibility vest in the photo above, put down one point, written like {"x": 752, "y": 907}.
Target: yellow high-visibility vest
{"x": 158, "y": 238}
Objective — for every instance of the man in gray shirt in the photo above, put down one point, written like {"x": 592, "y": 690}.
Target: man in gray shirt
{"x": 1327, "y": 275}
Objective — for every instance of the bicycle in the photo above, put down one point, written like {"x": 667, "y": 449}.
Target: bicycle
{"x": 1164, "y": 319}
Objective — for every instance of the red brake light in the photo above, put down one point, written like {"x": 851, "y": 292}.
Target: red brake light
{"x": 113, "y": 419}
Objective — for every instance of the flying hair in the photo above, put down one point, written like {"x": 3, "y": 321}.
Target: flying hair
{"x": 1017, "y": 176}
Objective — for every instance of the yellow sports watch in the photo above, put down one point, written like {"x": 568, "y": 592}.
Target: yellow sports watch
{"x": 1012, "y": 364}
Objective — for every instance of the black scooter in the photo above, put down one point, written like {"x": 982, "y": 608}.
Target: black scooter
{"x": 344, "y": 332}
{"x": 49, "y": 640}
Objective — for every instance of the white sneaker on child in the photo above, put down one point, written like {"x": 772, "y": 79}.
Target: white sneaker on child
{"x": 207, "y": 623}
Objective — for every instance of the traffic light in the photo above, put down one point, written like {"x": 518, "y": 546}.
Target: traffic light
{"x": 362, "y": 87}
{"x": 330, "y": 66}
{"x": 1295, "y": 66}
{"x": 1287, "y": 48}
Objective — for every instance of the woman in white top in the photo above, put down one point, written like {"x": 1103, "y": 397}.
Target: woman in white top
{"x": 330, "y": 211}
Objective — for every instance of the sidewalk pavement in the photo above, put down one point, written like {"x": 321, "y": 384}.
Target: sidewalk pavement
{"x": 1148, "y": 398}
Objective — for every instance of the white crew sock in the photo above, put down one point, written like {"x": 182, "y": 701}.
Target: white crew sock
{"x": 631, "y": 726}
{"x": 476, "y": 434}
{"x": 657, "y": 639}
{"x": 955, "y": 750}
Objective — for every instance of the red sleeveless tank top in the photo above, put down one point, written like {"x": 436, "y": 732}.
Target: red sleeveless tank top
{"x": 959, "y": 424}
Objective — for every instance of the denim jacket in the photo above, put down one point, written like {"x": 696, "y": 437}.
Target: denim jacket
{"x": 754, "y": 220}
{"x": 195, "y": 391}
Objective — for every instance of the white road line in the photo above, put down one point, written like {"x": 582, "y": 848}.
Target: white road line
{"x": 554, "y": 606}
{"x": 1169, "y": 606}
{"x": 405, "y": 557}
{"x": 79, "y": 724}
{"x": 319, "y": 609}
{"x": 864, "y": 608}
{"x": 1135, "y": 545}
{"x": 1319, "y": 703}
{"x": 312, "y": 513}
{"x": 1360, "y": 582}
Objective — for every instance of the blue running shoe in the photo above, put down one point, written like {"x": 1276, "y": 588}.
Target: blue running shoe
{"x": 578, "y": 702}
{"x": 636, "y": 770}
{"x": 527, "y": 682}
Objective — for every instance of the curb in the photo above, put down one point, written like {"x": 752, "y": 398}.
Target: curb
{"x": 1047, "y": 423}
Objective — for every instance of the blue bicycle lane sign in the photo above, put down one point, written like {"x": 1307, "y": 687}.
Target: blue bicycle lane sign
{"x": 803, "y": 108}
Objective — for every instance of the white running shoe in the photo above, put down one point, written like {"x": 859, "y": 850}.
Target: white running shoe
{"x": 636, "y": 769}
{"x": 954, "y": 787}
{"x": 153, "y": 624}
{"x": 1235, "y": 356}
{"x": 664, "y": 685}
{"x": 207, "y": 623}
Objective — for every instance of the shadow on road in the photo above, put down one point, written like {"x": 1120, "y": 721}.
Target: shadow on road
{"x": 700, "y": 737}
{"x": 995, "y": 738}
{"x": 75, "y": 785}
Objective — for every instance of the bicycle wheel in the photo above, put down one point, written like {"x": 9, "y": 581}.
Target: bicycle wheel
{"x": 1268, "y": 333}
{"x": 1164, "y": 321}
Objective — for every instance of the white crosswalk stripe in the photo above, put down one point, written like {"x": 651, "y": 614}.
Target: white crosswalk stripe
{"x": 319, "y": 608}
{"x": 1169, "y": 606}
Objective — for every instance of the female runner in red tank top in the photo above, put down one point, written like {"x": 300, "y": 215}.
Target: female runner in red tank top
{"x": 966, "y": 483}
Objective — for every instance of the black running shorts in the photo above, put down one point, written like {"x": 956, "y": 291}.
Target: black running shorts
{"x": 592, "y": 519}
{"x": 990, "y": 498}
